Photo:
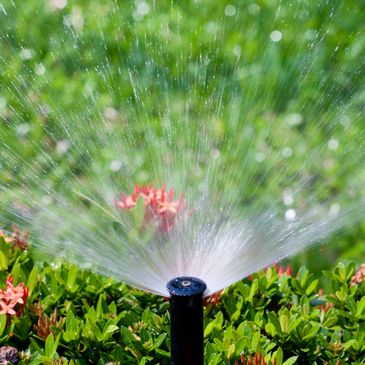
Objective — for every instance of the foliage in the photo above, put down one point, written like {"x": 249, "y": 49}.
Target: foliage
{"x": 71, "y": 65}
{"x": 76, "y": 317}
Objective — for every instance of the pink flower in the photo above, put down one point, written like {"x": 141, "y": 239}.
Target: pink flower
{"x": 17, "y": 239}
{"x": 159, "y": 203}
{"x": 13, "y": 299}
{"x": 8, "y": 308}
{"x": 125, "y": 202}
{"x": 359, "y": 275}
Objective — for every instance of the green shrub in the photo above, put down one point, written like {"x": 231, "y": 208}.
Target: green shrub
{"x": 77, "y": 317}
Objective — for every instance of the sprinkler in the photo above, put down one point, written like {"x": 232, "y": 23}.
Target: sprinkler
{"x": 187, "y": 334}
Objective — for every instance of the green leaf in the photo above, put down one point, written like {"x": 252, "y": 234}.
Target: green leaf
{"x": 270, "y": 329}
{"x": 275, "y": 321}
{"x": 291, "y": 360}
{"x": 127, "y": 335}
{"x": 2, "y": 323}
{"x": 312, "y": 333}
{"x": 253, "y": 291}
{"x": 330, "y": 322}
{"x": 34, "y": 345}
{"x": 294, "y": 324}
{"x": 163, "y": 353}
{"x": 284, "y": 323}
{"x": 303, "y": 275}
{"x": 51, "y": 346}
{"x": 71, "y": 278}
{"x": 3, "y": 261}
{"x": 360, "y": 308}
{"x": 348, "y": 344}
{"x": 255, "y": 341}
{"x": 342, "y": 272}
{"x": 231, "y": 350}
{"x": 72, "y": 327}
{"x": 118, "y": 228}
{"x": 209, "y": 328}
{"x": 111, "y": 329}
{"x": 279, "y": 356}
{"x": 159, "y": 341}
{"x": 32, "y": 279}
{"x": 312, "y": 287}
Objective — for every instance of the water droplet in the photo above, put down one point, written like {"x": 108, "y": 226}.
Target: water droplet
{"x": 290, "y": 214}
{"x": 110, "y": 113}
{"x": 143, "y": 8}
{"x": 116, "y": 165}
{"x": 293, "y": 119}
{"x": 310, "y": 35}
{"x": 3, "y": 102}
{"x": 62, "y": 146}
{"x": 253, "y": 9}
{"x": 328, "y": 164}
{"x": 334, "y": 209}
{"x": 58, "y": 4}
{"x": 215, "y": 153}
{"x": 287, "y": 152}
{"x": 26, "y": 54}
{"x": 212, "y": 27}
{"x": 230, "y": 10}
{"x": 333, "y": 144}
{"x": 237, "y": 51}
{"x": 40, "y": 69}
{"x": 345, "y": 121}
{"x": 260, "y": 156}
{"x": 46, "y": 200}
{"x": 23, "y": 129}
{"x": 77, "y": 19}
{"x": 248, "y": 131}
{"x": 287, "y": 198}
{"x": 203, "y": 187}
{"x": 276, "y": 36}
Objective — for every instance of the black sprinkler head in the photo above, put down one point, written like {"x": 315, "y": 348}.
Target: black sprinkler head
{"x": 187, "y": 333}
{"x": 186, "y": 286}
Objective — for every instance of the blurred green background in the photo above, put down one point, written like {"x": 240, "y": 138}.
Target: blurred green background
{"x": 270, "y": 74}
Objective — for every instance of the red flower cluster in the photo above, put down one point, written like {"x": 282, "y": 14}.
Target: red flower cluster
{"x": 46, "y": 324}
{"x": 280, "y": 270}
{"x": 17, "y": 239}
{"x": 359, "y": 276}
{"x": 212, "y": 300}
{"x": 13, "y": 299}
{"x": 160, "y": 206}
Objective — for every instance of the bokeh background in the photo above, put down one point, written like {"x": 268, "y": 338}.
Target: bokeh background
{"x": 269, "y": 95}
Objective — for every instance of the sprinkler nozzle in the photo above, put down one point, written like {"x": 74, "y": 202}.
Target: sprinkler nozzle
{"x": 187, "y": 333}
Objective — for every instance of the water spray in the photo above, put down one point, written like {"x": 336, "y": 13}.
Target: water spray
{"x": 187, "y": 333}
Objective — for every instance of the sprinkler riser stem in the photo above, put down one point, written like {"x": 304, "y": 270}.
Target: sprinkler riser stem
{"x": 187, "y": 332}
